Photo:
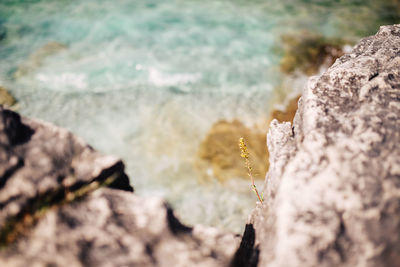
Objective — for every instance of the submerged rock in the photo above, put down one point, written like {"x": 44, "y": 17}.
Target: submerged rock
{"x": 6, "y": 99}
{"x": 37, "y": 58}
{"x": 219, "y": 154}
{"x": 309, "y": 52}
{"x": 56, "y": 209}
{"x": 332, "y": 191}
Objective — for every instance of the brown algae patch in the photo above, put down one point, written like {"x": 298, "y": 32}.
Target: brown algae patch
{"x": 308, "y": 52}
{"x": 218, "y": 154}
{"x": 6, "y": 99}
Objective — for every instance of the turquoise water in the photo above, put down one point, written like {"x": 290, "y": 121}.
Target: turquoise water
{"x": 145, "y": 80}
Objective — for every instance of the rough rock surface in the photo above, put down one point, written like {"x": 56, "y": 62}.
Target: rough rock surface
{"x": 41, "y": 164}
{"x": 56, "y": 211}
{"x": 333, "y": 188}
{"x": 115, "y": 228}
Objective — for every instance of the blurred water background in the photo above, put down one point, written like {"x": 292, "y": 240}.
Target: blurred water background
{"x": 146, "y": 79}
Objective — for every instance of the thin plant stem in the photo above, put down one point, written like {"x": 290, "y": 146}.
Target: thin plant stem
{"x": 245, "y": 154}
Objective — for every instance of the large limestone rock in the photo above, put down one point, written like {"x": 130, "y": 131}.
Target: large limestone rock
{"x": 332, "y": 194}
{"x": 56, "y": 209}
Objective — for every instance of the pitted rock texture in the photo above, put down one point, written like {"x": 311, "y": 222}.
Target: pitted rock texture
{"x": 332, "y": 195}
{"x": 115, "y": 228}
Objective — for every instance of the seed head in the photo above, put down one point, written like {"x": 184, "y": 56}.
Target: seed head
{"x": 243, "y": 149}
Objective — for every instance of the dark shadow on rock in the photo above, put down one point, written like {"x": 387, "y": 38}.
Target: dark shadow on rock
{"x": 17, "y": 132}
{"x": 85, "y": 248}
{"x": 10, "y": 172}
{"x": 247, "y": 254}
{"x": 175, "y": 225}
{"x": 122, "y": 183}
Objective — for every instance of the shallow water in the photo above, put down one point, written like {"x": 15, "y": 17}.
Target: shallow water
{"x": 145, "y": 80}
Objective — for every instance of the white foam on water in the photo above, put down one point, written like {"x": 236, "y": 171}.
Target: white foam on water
{"x": 61, "y": 81}
{"x": 159, "y": 78}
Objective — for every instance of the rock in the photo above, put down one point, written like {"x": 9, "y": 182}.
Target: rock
{"x": 332, "y": 194}
{"x": 64, "y": 204}
{"x": 114, "y": 228}
{"x": 6, "y": 99}
{"x": 219, "y": 152}
{"x": 42, "y": 165}
{"x": 304, "y": 54}
{"x": 37, "y": 58}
